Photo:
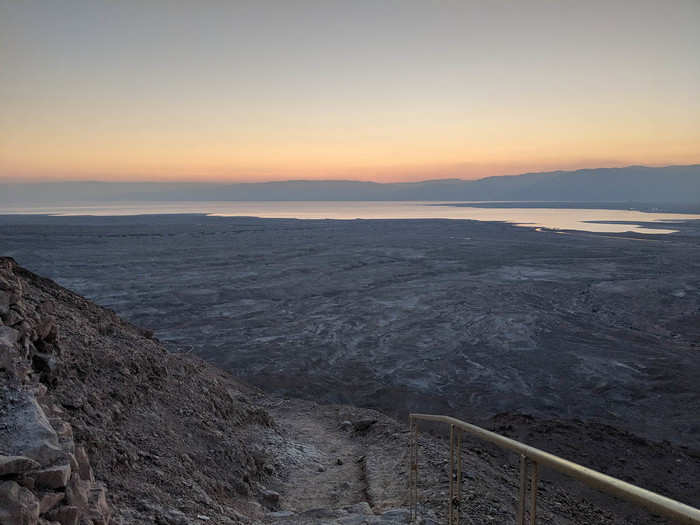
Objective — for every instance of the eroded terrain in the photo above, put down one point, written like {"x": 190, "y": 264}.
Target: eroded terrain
{"x": 460, "y": 317}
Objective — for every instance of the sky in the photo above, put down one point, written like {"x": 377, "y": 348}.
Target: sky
{"x": 392, "y": 90}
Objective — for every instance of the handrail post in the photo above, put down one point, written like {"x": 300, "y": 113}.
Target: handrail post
{"x": 523, "y": 489}
{"x": 533, "y": 495}
{"x": 450, "y": 512}
{"x": 413, "y": 470}
{"x": 458, "y": 497}
{"x": 410, "y": 467}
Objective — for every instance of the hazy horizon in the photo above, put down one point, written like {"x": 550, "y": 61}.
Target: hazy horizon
{"x": 193, "y": 180}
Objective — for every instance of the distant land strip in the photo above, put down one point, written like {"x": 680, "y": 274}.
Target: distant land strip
{"x": 671, "y": 184}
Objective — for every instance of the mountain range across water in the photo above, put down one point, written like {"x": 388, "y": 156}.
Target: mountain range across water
{"x": 632, "y": 183}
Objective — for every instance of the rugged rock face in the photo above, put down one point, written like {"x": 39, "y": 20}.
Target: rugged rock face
{"x": 98, "y": 420}
{"x": 45, "y": 476}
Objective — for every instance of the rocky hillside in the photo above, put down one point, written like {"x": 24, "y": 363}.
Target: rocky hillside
{"x": 89, "y": 400}
{"x": 99, "y": 424}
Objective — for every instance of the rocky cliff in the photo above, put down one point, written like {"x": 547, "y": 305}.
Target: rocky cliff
{"x": 44, "y": 472}
{"x": 89, "y": 402}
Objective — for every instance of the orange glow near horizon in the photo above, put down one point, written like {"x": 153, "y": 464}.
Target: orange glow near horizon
{"x": 127, "y": 92}
{"x": 389, "y": 174}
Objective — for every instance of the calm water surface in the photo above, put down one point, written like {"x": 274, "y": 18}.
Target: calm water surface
{"x": 594, "y": 220}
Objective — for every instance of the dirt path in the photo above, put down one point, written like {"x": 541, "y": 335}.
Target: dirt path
{"x": 328, "y": 470}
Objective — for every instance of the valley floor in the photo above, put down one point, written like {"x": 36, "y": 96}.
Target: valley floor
{"x": 458, "y": 317}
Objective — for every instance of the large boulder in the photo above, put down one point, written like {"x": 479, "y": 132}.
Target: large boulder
{"x": 25, "y": 430}
{"x": 13, "y": 465}
{"x": 55, "y": 477}
{"x": 4, "y": 302}
{"x": 8, "y": 337}
{"x": 18, "y": 505}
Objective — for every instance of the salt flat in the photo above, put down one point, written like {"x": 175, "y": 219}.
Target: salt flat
{"x": 461, "y": 317}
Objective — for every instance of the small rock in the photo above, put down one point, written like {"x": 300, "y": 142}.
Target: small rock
{"x": 46, "y": 327}
{"x": 203, "y": 517}
{"x": 360, "y": 508}
{"x": 355, "y": 519}
{"x": 12, "y": 317}
{"x": 65, "y": 515}
{"x": 77, "y": 491}
{"x": 47, "y": 307}
{"x": 39, "y": 390}
{"x": 346, "y": 425}
{"x": 49, "y": 501}
{"x": 25, "y": 330}
{"x": 175, "y": 517}
{"x": 16, "y": 465}
{"x": 363, "y": 425}
{"x": 338, "y": 461}
{"x": 63, "y": 429}
{"x": 97, "y": 500}
{"x": 45, "y": 364}
{"x": 270, "y": 496}
{"x": 399, "y": 514}
{"x": 320, "y": 514}
{"x": 26, "y": 481}
{"x": 84, "y": 468}
{"x": 241, "y": 487}
{"x": 8, "y": 281}
{"x": 200, "y": 495}
{"x": 74, "y": 467}
{"x": 52, "y": 477}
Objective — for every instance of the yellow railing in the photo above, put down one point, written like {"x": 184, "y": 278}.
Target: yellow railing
{"x": 532, "y": 456}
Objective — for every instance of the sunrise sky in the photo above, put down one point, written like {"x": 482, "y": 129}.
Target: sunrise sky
{"x": 372, "y": 90}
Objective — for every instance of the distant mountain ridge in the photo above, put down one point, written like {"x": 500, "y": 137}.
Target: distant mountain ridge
{"x": 632, "y": 183}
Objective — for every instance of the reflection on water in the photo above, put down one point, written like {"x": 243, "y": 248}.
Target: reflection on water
{"x": 554, "y": 218}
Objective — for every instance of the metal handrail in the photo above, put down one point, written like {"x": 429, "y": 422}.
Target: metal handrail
{"x": 655, "y": 502}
